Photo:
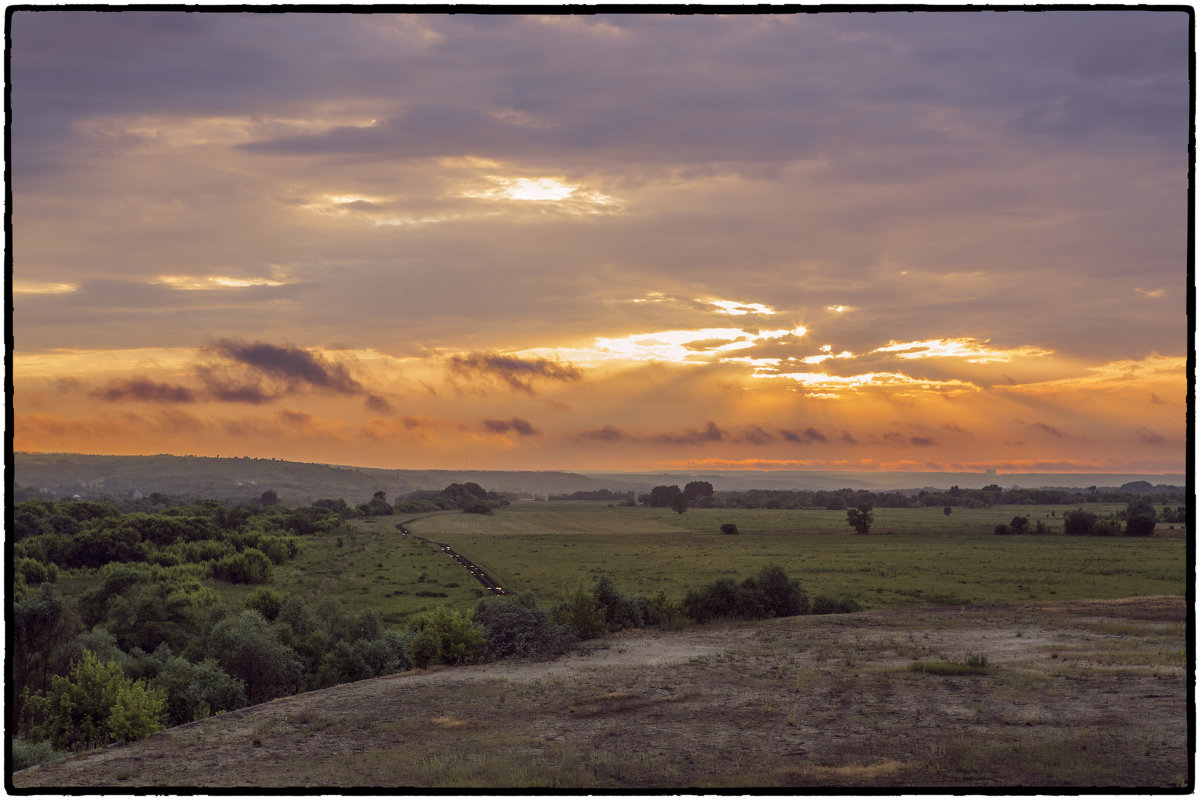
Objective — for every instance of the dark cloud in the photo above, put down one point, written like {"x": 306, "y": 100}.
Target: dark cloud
{"x": 607, "y": 433}
{"x": 1047, "y": 429}
{"x": 258, "y": 373}
{"x": 754, "y": 435}
{"x": 516, "y": 424}
{"x": 711, "y": 433}
{"x": 847, "y": 438}
{"x": 519, "y": 373}
{"x": 293, "y": 365}
{"x": 806, "y": 436}
{"x": 378, "y": 404}
{"x": 221, "y": 386}
{"x": 921, "y": 441}
{"x": 1150, "y": 437}
{"x": 144, "y": 390}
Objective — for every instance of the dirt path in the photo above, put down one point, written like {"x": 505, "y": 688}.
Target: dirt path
{"x": 1079, "y": 695}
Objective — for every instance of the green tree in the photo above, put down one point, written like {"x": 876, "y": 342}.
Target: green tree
{"x": 96, "y": 703}
{"x": 860, "y": 518}
{"x": 1140, "y": 518}
{"x": 729, "y": 528}
{"x": 581, "y": 612}
{"x": 1079, "y": 522}
{"x": 446, "y": 637}
{"x": 247, "y": 649}
{"x": 679, "y": 504}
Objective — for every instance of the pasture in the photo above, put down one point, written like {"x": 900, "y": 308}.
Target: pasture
{"x": 911, "y": 557}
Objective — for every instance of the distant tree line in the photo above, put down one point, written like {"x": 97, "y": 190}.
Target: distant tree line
{"x": 700, "y": 494}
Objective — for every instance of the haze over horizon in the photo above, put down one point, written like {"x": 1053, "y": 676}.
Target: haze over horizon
{"x": 907, "y": 241}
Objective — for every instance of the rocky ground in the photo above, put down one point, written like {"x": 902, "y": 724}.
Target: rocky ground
{"x": 1081, "y": 694}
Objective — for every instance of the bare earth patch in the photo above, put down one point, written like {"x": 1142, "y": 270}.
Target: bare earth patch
{"x": 1078, "y": 694}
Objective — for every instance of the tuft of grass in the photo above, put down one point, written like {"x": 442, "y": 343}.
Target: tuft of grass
{"x": 950, "y": 667}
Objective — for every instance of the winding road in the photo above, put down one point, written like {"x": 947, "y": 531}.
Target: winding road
{"x": 488, "y": 582}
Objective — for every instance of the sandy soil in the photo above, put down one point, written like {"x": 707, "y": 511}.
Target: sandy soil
{"x": 1087, "y": 694}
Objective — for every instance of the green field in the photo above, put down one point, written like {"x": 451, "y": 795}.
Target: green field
{"x": 911, "y": 557}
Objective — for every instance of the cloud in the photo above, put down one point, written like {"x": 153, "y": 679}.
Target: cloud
{"x": 259, "y": 373}
{"x": 1150, "y": 437}
{"x": 806, "y": 436}
{"x": 518, "y": 373}
{"x": 516, "y": 424}
{"x": 607, "y": 433}
{"x": 1044, "y": 428}
{"x": 754, "y": 434}
{"x": 143, "y": 390}
{"x": 292, "y": 365}
{"x": 711, "y": 433}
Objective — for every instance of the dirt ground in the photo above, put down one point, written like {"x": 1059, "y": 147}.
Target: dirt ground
{"x": 1081, "y": 694}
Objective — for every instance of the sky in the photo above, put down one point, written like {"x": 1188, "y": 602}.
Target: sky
{"x": 944, "y": 241}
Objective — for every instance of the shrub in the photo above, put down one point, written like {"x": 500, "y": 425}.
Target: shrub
{"x": 1079, "y": 523}
{"x": 446, "y": 636}
{"x": 660, "y": 611}
{"x": 266, "y": 602}
{"x": 769, "y": 594}
{"x": 582, "y": 613}
{"x": 26, "y": 754}
{"x": 842, "y": 604}
{"x": 1002, "y": 530}
{"x": 729, "y": 528}
{"x": 197, "y": 690}
{"x": 620, "y": 610}
{"x": 516, "y": 628}
{"x": 96, "y": 703}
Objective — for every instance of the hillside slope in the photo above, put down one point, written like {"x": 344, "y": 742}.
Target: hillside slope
{"x": 1079, "y": 694}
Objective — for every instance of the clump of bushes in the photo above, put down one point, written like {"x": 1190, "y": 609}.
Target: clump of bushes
{"x": 769, "y": 594}
{"x": 841, "y": 604}
{"x": 443, "y": 636}
{"x": 517, "y": 628}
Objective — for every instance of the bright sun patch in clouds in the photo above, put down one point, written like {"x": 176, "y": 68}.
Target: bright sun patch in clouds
{"x": 675, "y": 346}
{"x": 736, "y": 309}
{"x": 540, "y": 190}
{"x": 973, "y": 350}
{"x": 194, "y": 283}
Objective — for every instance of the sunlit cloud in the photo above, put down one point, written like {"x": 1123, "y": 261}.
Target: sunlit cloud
{"x": 214, "y": 282}
{"x": 734, "y": 308}
{"x": 819, "y": 384}
{"x": 545, "y": 190}
{"x": 43, "y": 287}
{"x": 973, "y": 350}
{"x": 676, "y": 346}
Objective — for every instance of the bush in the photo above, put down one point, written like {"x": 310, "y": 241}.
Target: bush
{"x": 582, "y": 613}
{"x": 1079, "y": 523}
{"x": 266, "y": 602}
{"x": 729, "y": 528}
{"x": 620, "y": 610}
{"x": 445, "y": 637}
{"x": 842, "y": 604}
{"x": 660, "y": 611}
{"x": 194, "y": 691}
{"x": 96, "y": 703}
{"x": 769, "y": 594}
{"x": 516, "y": 628}
{"x": 26, "y": 754}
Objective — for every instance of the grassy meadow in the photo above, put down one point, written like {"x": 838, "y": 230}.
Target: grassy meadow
{"x": 911, "y": 557}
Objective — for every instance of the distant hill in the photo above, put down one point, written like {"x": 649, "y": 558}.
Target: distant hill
{"x": 296, "y": 483}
